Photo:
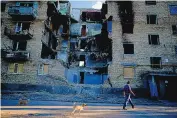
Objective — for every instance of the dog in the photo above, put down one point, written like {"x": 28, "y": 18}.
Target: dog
{"x": 23, "y": 102}
{"x": 78, "y": 107}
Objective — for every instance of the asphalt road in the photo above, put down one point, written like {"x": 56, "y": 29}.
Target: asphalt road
{"x": 55, "y": 109}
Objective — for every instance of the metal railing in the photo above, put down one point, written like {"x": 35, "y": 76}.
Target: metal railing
{"x": 18, "y": 55}
{"x": 8, "y": 31}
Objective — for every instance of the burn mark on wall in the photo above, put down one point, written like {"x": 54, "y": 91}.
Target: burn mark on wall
{"x": 126, "y": 15}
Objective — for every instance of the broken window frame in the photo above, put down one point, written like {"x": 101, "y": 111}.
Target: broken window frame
{"x": 16, "y": 45}
{"x": 151, "y": 2}
{"x": 133, "y": 72}
{"x": 19, "y": 27}
{"x": 149, "y": 18}
{"x": 3, "y": 6}
{"x": 133, "y": 52}
{"x": 156, "y": 65}
{"x": 174, "y": 29}
{"x": 152, "y": 42}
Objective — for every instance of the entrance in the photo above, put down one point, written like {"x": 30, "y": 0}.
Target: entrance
{"x": 167, "y": 88}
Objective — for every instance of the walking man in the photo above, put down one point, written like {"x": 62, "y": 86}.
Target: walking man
{"x": 127, "y": 93}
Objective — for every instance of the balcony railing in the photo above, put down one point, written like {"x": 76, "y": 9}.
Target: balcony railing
{"x": 20, "y": 11}
{"x": 17, "y": 56}
{"x": 20, "y": 35}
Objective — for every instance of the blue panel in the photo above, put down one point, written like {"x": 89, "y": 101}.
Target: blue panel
{"x": 105, "y": 77}
{"x": 92, "y": 29}
{"x": 109, "y": 26}
{"x": 128, "y": 64}
{"x": 66, "y": 71}
{"x": 92, "y": 79}
{"x": 173, "y": 9}
{"x": 73, "y": 76}
{"x": 23, "y": 10}
{"x": 94, "y": 63}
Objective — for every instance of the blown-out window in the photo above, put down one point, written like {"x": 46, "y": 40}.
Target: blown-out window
{"x": 128, "y": 48}
{"x": 150, "y": 2}
{"x": 151, "y": 19}
{"x": 3, "y": 6}
{"x": 153, "y": 39}
{"x": 155, "y": 62}
{"x": 19, "y": 45}
{"x": 174, "y": 29}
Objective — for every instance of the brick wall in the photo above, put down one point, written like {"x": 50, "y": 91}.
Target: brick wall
{"x": 34, "y": 46}
{"x": 142, "y": 50}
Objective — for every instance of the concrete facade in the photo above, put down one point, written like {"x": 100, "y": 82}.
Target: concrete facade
{"x": 142, "y": 49}
{"x": 34, "y": 46}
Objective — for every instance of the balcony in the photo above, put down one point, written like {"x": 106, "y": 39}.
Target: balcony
{"x": 22, "y": 13}
{"x": 15, "y": 55}
{"x": 20, "y": 35}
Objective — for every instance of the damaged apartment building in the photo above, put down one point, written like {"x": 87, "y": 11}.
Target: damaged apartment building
{"x": 144, "y": 46}
{"x": 42, "y": 40}
{"x": 80, "y": 43}
{"x": 124, "y": 40}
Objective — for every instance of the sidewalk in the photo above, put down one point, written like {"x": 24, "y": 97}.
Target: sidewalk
{"x": 56, "y": 109}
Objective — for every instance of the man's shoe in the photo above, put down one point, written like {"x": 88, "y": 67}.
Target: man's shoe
{"x": 124, "y": 108}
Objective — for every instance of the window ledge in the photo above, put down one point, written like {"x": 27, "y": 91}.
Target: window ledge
{"x": 156, "y": 68}
{"x": 129, "y": 54}
{"x": 42, "y": 74}
{"x": 15, "y": 73}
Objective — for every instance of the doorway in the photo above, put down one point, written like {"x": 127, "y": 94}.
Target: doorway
{"x": 81, "y": 77}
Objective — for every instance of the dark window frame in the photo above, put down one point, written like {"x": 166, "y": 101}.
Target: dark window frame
{"x": 150, "y": 19}
{"x": 24, "y": 4}
{"x": 153, "y": 41}
{"x": 156, "y": 62}
{"x": 3, "y": 7}
{"x": 150, "y": 2}
{"x": 19, "y": 45}
{"x": 127, "y": 49}
{"x": 174, "y": 29}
